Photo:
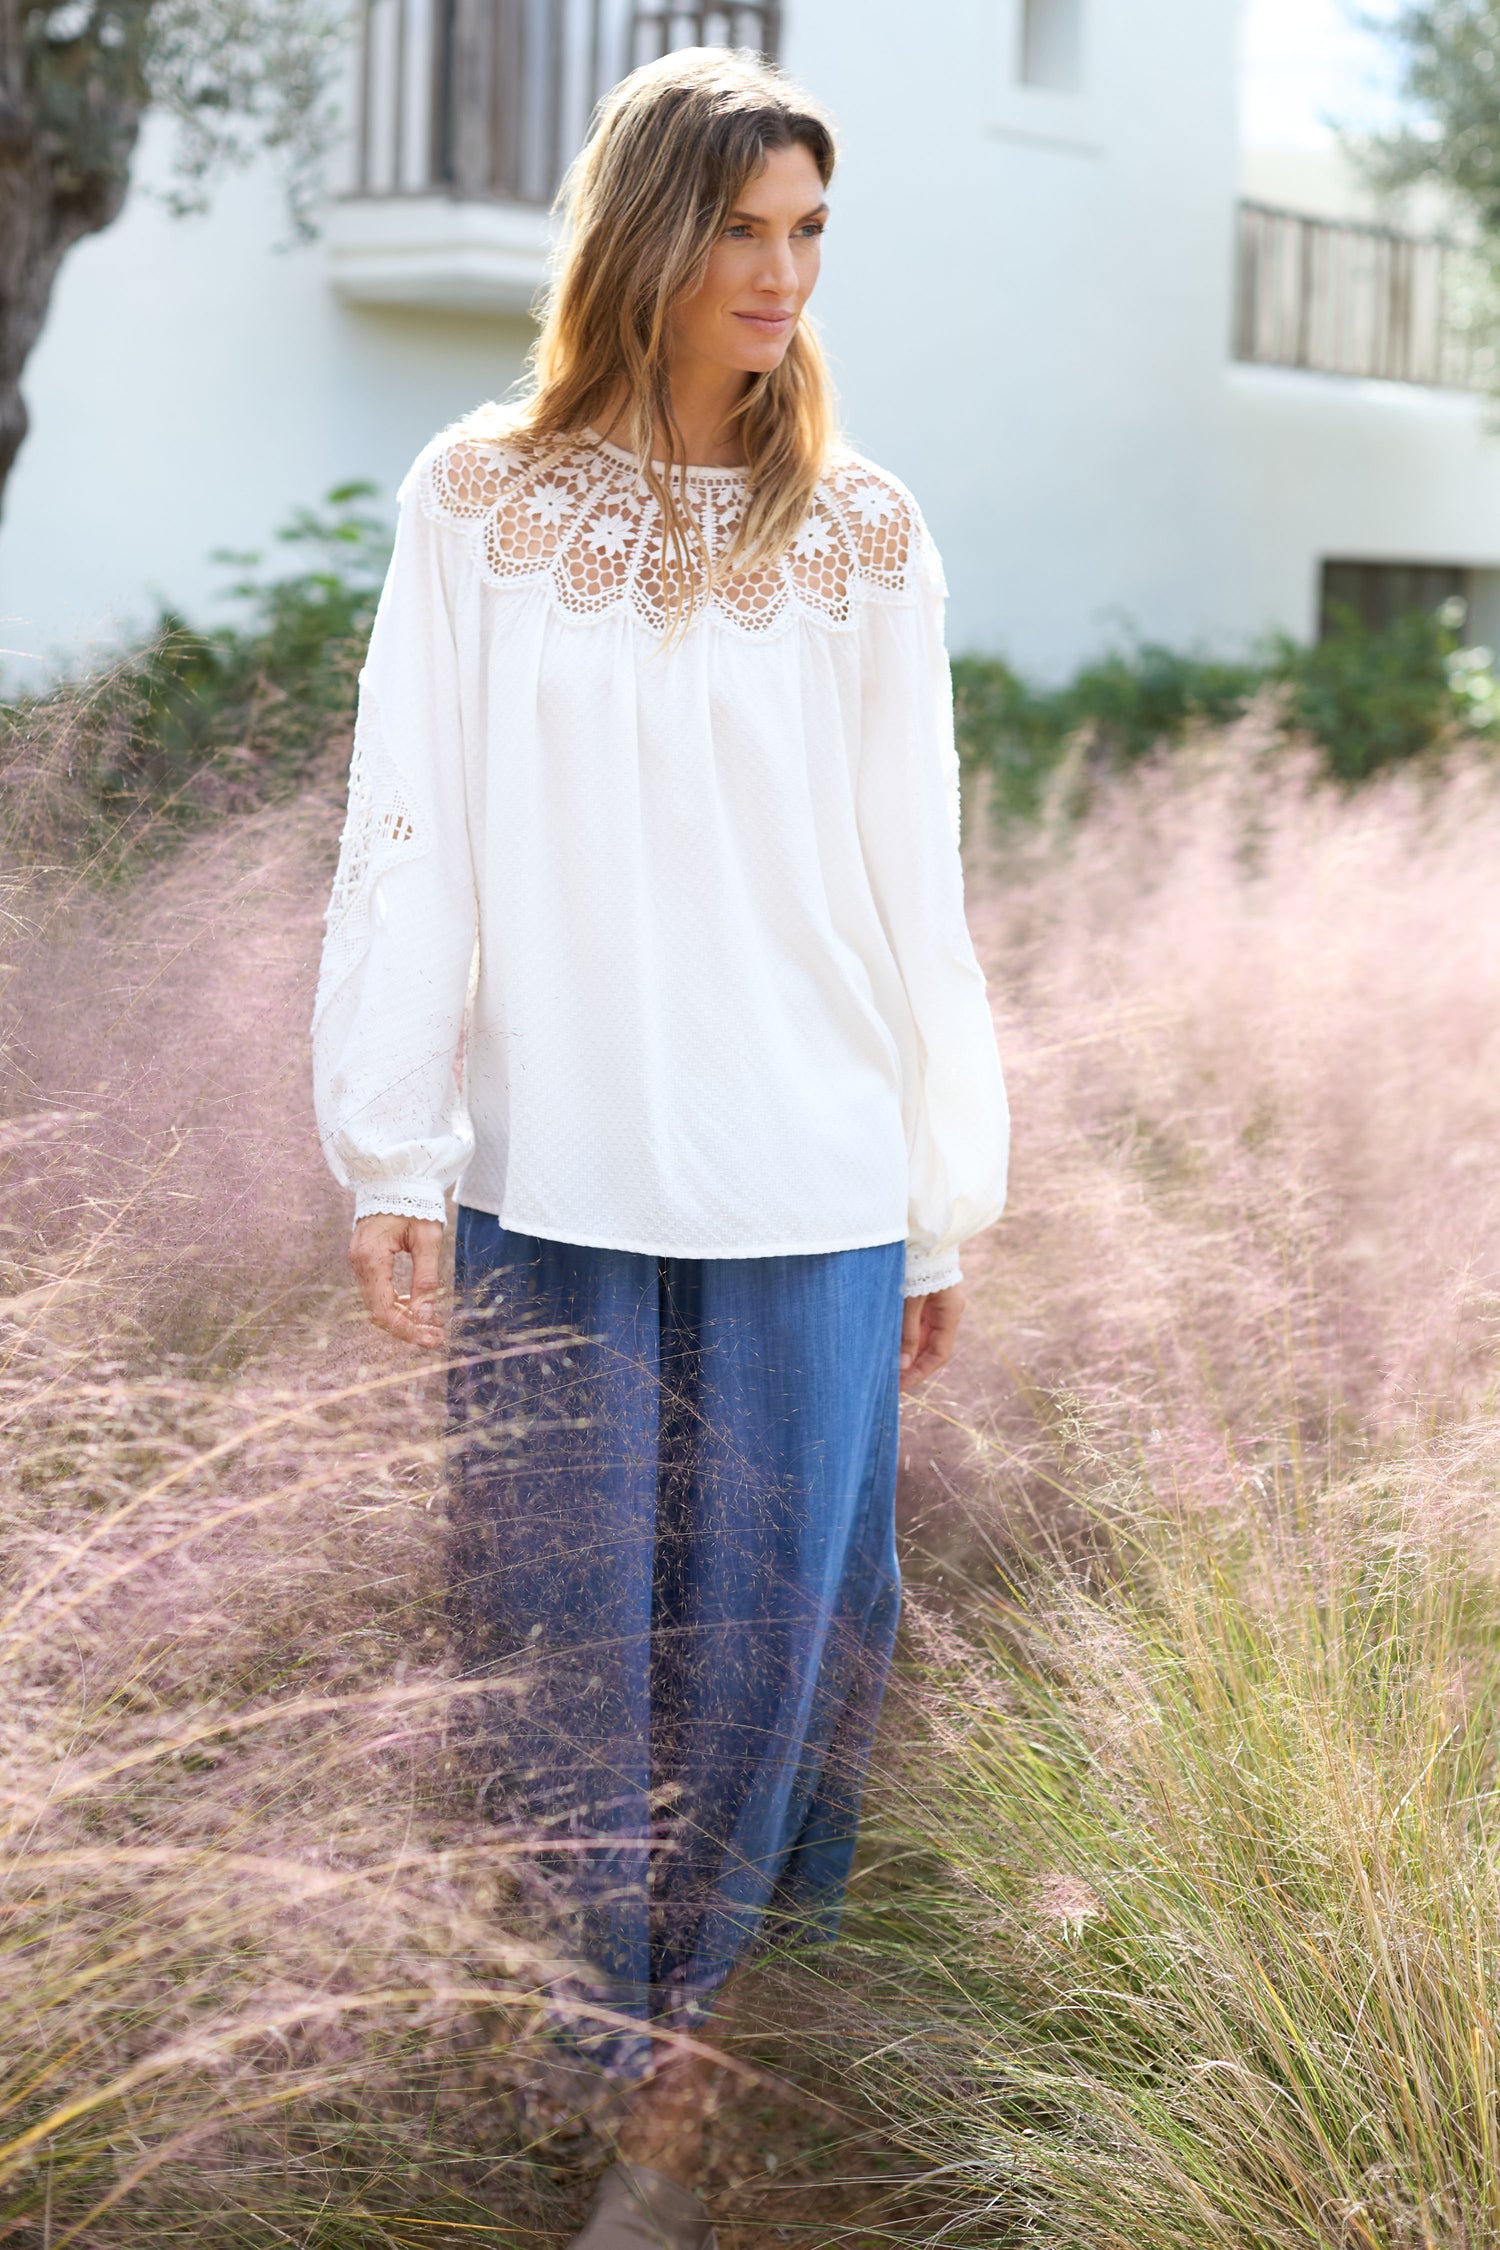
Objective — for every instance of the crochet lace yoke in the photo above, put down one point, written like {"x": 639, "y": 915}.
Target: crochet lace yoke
{"x": 584, "y": 523}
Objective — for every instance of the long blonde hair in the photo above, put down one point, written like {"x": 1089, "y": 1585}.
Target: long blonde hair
{"x": 672, "y": 150}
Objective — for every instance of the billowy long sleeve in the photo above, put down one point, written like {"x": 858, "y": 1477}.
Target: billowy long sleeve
{"x": 401, "y": 923}
{"x": 953, "y": 1091}
{"x": 725, "y": 1002}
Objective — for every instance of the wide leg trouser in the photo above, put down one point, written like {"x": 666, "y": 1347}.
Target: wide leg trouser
{"x": 673, "y": 1540}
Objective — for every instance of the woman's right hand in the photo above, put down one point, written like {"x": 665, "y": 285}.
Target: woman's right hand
{"x": 376, "y": 1244}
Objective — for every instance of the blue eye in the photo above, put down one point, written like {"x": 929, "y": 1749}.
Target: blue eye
{"x": 739, "y": 230}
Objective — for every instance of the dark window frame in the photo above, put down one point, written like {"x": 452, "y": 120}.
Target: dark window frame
{"x": 1382, "y": 592}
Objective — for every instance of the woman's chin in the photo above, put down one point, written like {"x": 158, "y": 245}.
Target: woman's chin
{"x": 761, "y": 359}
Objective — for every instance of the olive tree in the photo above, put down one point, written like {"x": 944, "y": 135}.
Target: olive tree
{"x": 76, "y": 79}
{"x": 1450, "y": 87}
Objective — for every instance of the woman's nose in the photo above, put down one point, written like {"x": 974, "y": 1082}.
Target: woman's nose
{"x": 779, "y": 272}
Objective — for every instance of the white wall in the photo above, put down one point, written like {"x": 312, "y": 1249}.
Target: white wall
{"x": 1033, "y": 331}
{"x": 1373, "y": 472}
{"x": 192, "y": 386}
{"x": 1027, "y": 297}
{"x": 1319, "y": 179}
{"x": 1027, "y": 300}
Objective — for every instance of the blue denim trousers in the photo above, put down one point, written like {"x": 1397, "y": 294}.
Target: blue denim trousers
{"x": 672, "y": 1494}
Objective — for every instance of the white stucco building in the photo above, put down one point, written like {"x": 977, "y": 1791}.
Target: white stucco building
{"x": 1046, "y": 305}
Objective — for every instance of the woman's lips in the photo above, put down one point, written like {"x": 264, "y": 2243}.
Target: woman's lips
{"x": 770, "y": 323}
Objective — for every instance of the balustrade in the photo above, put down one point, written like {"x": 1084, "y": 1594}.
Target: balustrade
{"x": 490, "y": 99}
{"x": 1340, "y": 298}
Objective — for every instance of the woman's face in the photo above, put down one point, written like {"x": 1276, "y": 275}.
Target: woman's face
{"x": 761, "y": 271}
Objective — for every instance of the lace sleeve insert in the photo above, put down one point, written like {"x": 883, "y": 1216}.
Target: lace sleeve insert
{"x": 380, "y": 832}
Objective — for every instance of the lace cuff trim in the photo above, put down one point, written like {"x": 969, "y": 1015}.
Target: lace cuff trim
{"x": 404, "y": 1199}
{"x": 926, "y": 1275}
{"x": 584, "y": 523}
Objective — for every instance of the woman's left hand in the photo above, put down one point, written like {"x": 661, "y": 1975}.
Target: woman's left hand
{"x": 929, "y": 1329}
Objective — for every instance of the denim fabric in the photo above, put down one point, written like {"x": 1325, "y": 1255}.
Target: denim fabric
{"x": 673, "y": 1486}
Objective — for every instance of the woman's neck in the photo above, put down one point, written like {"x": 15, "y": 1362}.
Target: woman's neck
{"x": 704, "y": 398}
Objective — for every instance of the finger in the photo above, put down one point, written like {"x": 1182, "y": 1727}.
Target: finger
{"x": 374, "y": 1261}
{"x": 911, "y": 1330}
{"x": 914, "y": 1340}
{"x": 939, "y": 1336}
{"x": 426, "y": 1245}
{"x": 368, "y": 1259}
{"x": 373, "y": 1254}
{"x": 427, "y": 1336}
{"x": 395, "y": 1317}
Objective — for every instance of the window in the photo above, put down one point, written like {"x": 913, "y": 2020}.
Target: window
{"x": 1052, "y": 45}
{"x": 1380, "y": 593}
{"x": 1040, "y": 67}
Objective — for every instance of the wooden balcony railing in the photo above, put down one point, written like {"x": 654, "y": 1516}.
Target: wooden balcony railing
{"x": 1345, "y": 299}
{"x": 489, "y": 100}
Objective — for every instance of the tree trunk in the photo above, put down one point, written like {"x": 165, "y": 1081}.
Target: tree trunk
{"x": 70, "y": 110}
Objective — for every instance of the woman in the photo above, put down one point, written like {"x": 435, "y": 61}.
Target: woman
{"x": 653, "y": 815}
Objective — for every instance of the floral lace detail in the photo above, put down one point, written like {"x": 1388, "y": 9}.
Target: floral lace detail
{"x": 380, "y": 831}
{"x": 585, "y": 523}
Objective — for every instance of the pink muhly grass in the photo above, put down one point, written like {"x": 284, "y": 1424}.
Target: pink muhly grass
{"x": 262, "y": 1964}
{"x": 1187, "y": 1922}
{"x": 160, "y": 1130}
{"x": 1252, "y": 1030}
{"x": 257, "y": 1959}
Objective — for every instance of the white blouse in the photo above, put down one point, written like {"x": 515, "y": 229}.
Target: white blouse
{"x": 656, "y": 940}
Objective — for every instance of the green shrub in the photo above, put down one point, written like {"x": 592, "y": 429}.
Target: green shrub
{"x": 194, "y": 723}
{"x": 307, "y": 630}
{"x": 1132, "y": 703}
{"x": 1005, "y": 731}
{"x": 1369, "y": 698}
{"x": 1124, "y": 706}
{"x": 1373, "y": 698}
